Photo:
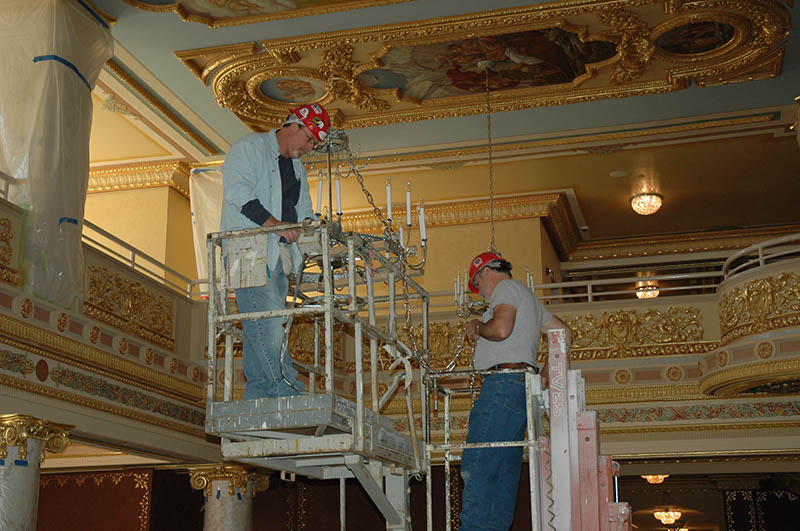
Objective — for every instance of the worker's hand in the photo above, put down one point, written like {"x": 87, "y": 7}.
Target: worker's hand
{"x": 472, "y": 329}
{"x": 289, "y": 235}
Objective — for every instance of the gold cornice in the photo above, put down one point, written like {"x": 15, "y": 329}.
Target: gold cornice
{"x": 552, "y": 208}
{"x": 217, "y": 55}
{"x": 70, "y": 352}
{"x": 126, "y": 78}
{"x": 677, "y": 243}
{"x": 729, "y": 426}
{"x": 212, "y": 22}
{"x": 650, "y": 393}
{"x": 173, "y": 174}
{"x": 729, "y": 382}
{"x": 58, "y": 394}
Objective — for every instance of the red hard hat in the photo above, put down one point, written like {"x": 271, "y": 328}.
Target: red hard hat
{"x": 315, "y": 118}
{"x": 478, "y": 263}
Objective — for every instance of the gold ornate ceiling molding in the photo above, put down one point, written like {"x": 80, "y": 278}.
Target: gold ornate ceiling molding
{"x": 173, "y": 174}
{"x": 678, "y": 243}
{"x": 650, "y": 46}
{"x": 553, "y": 209}
{"x": 234, "y": 13}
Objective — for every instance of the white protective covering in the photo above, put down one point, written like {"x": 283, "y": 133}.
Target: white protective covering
{"x": 205, "y": 196}
{"x": 53, "y": 51}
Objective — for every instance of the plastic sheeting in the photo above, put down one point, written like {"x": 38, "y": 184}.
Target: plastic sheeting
{"x": 205, "y": 196}
{"x": 53, "y": 51}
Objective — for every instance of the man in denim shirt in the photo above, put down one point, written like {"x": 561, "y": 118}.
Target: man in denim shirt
{"x": 506, "y": 337}
{"x": 265, "y": 185}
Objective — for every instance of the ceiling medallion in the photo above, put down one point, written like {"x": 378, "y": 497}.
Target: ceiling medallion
{"x": 646, "y": 203}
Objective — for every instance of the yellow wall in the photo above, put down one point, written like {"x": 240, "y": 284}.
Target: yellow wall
{"x": 156, "y": 221}
{"x": 137, "y": 217}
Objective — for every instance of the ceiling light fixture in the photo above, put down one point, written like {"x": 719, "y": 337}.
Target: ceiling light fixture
{"x": 647, "y": 290}
{"x": 667, "y": 517}
{"x": 646, "y": 203}
{"x": 655, "y": 479}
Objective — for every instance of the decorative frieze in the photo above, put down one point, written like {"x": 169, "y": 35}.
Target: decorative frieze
{"x": 128, "y": 305}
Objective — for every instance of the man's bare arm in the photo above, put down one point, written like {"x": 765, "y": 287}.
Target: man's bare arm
{"x": 498, "y": 328}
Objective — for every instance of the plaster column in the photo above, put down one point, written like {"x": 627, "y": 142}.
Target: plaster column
{"x": 23, "y": 442}
{"x": 229, "y": 494}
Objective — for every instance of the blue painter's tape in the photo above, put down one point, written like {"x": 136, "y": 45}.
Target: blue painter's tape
{"x": 2, "y": 462}
{"x": 21, "y": 462}
{"x": 68, "y": 220}
{"x": 92, "y": 12}
{"x": 64, "y": 62}
{"x": 239, "y": 495}
{"x": 218, "y": 491}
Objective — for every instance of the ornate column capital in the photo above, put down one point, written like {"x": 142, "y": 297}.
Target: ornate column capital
{"x": 201, "y": 478}
{"x": 15, "y": 430}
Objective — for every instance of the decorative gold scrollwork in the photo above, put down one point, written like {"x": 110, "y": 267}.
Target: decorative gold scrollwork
{"x": 338, "y": 68}
{"x": 129, "y": 306}
{"x": 634, "y": 43}
{"x": 623, "y": 330}
{"x": 759, "y": 306}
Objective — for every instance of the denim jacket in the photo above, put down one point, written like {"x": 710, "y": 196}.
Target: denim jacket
{"x": 250, "y": 171}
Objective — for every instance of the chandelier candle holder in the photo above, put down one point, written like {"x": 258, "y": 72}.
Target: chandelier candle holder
{"x": 646, "y": 203}
{"x": 337, "y": 157}
{"x": 655, "y": 479}
{"x": 647, "y": 290}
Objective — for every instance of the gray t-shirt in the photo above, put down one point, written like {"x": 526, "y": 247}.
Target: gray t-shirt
{"x": 523, "y": 342}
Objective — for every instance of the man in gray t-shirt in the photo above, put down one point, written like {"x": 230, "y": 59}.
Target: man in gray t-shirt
{"x": 507, "y": 337}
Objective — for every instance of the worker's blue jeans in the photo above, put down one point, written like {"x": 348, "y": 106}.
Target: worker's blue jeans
{"x": 262, "y": 340}
{"x": 491, "y": 475}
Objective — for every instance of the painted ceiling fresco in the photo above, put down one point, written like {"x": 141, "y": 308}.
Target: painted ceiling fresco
{"x": 546, "y": 54}
{"x": 221, "y": 13}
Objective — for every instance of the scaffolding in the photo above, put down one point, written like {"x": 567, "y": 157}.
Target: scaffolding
{"x": 327, "y": 436}
{"x": 320, "y": 435}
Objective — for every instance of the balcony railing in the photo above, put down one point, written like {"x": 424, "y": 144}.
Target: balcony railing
{"x": 761, "y": 254}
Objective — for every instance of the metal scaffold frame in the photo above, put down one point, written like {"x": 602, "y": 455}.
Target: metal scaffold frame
{"x": 322, "y": 435}
{"x": 572, "y": 487}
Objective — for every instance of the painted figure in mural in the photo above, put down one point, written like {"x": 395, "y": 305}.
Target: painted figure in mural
{"x": 265, "y": 185}
{"x": 507, "y": 337}
{"x": 524, "y": 59}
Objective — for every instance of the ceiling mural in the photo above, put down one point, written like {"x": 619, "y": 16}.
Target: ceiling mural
{"x": 222, "y": 13}
{"x": 539, "y": 55}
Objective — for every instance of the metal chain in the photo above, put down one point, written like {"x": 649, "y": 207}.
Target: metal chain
{"x": 368, "y": 195}
{"x": 492, "y": 246}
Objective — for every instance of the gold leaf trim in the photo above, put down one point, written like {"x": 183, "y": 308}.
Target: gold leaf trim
{"x": 701, "y": 427}
{"x": 70, "y": 352}
{"x": 96, "y": 404}
{"x": 136, "y": 176}
{"x": 731, "y": 381}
